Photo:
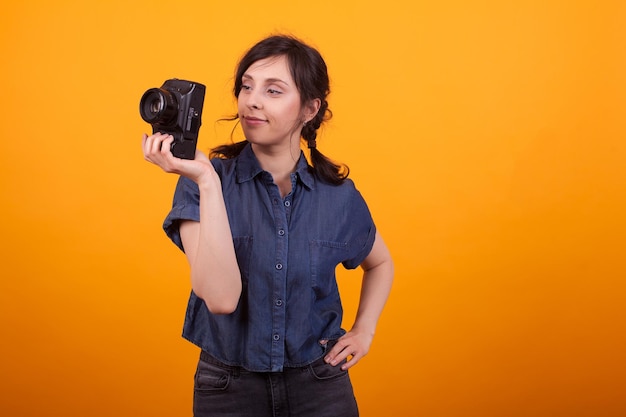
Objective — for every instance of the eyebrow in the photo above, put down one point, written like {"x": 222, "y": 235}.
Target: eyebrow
{"x": 267, "y": 80}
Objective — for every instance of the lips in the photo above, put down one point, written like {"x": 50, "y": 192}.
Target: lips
{"x": 254, "y": 121}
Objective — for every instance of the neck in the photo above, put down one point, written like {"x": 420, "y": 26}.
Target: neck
{"x": 280, "y": 162}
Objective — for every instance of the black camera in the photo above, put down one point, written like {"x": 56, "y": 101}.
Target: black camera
{"x": 176, "y": 109}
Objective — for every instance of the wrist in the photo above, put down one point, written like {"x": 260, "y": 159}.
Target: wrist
{"x": 209, "y": 181}
{"x": 364, "y": 329}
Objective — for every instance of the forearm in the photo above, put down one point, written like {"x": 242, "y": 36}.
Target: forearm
{"x": 215, "y": 275}
{"x": 208, "y": 244}
{"x": 377, "y": 282}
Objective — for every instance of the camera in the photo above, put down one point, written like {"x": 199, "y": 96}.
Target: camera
{"x": 176, "y": 109}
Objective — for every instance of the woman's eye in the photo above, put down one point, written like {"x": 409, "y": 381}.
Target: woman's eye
{"x": 245, "y": 87}
{"x": 274, "y": 92}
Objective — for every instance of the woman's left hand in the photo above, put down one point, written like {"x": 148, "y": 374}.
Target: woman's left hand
{"x": 351, "y": 346}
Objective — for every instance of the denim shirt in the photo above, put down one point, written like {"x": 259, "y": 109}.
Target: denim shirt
{"x": 287, "y": 250}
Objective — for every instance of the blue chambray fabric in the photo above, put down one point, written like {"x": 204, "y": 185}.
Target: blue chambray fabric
{"x": 287, "y": 250}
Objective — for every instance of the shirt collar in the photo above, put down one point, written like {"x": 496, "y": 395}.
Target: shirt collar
{"x": 248, "y": 167}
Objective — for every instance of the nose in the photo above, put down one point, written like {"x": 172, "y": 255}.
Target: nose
{"x": 252, "y": 99}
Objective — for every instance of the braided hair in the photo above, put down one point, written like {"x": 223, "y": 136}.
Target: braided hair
{"x": 310, "y": 75}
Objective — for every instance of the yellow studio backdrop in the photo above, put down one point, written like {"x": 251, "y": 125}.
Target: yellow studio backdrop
{"x": 486, "y": 136}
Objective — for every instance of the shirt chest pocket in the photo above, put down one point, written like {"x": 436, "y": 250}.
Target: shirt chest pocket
{"x": 325, "y": 255}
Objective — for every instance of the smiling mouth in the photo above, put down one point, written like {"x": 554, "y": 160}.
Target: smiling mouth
{"x": 254, "y": 119}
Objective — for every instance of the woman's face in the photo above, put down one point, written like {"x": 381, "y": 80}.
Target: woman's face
{"x": 269, "y": 103}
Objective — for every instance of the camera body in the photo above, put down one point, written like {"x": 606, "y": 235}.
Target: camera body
{"x": 176, "y": 109}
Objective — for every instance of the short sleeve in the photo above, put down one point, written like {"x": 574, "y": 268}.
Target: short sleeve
{"x": 185, "y": 206}
{"x": 363, "y": 232}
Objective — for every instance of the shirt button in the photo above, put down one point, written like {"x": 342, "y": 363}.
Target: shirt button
{"x": 279, "y": 303}
{"x": 281, "y": 232}
{"x": 276, "y": 337}
{"x": 287, "y": 203}
{"x": 279, "y": 266}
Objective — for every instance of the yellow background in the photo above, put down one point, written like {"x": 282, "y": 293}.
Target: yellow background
{"x": 486, "y": 136}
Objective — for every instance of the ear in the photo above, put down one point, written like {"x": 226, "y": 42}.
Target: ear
{"x": 311, "y": 109}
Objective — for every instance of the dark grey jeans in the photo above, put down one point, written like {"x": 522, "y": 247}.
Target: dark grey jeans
{"x": 318, "y": 390}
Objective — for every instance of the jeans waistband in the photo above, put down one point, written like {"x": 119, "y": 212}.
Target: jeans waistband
{"x": 207, "y": 357}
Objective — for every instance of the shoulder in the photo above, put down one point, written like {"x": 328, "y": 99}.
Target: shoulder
{"x": 339, "y": 198}
{"x": 346, "y": 189}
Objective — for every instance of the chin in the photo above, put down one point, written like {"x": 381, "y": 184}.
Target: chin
{"x": 261, "y": 141}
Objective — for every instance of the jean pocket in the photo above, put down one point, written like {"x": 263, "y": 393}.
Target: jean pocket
{"x": 323, "y": 371}
{"x": 210, "y": 377}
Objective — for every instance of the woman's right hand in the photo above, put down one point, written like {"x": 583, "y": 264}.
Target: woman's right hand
{"x": 157, "y": 150}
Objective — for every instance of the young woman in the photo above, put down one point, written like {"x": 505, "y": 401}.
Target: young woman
{"x": 263, "y": 230}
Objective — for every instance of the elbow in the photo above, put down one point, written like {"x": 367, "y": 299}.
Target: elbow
{"x": 222, "y": 308}
{"x": 220, "y": 305}
{"x": 220, "y": 302}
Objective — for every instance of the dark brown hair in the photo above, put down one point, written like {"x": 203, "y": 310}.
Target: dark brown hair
{"x": 310, "y": 75}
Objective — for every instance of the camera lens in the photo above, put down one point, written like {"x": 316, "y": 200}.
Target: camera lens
{"x": 158, "y": 106}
